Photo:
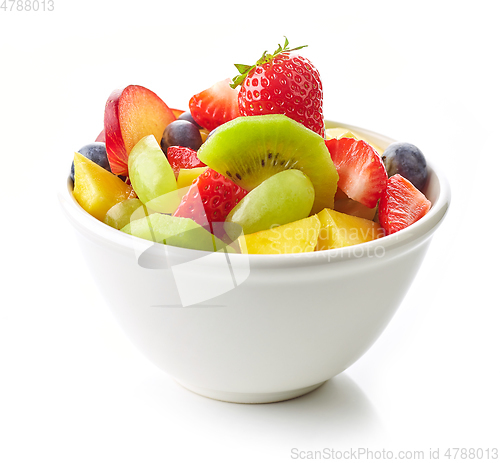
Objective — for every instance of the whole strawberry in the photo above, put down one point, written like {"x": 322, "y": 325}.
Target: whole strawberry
{"x": 282, "y": 83}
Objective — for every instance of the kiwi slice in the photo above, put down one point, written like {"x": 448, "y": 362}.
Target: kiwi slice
{"x": 250, "y": 149}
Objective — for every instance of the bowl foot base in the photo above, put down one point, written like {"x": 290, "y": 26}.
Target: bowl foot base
{"x": 250, "y": 397}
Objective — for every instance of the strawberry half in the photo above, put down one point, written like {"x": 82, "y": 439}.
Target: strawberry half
{"x": 401, "y": 205}
{"x": 362, "y": 175}
{"x": 182, "y": 157}
{"x": 282, "y": 83}
{"x": 210, "y": 199}
{"x": 215, "y": 105}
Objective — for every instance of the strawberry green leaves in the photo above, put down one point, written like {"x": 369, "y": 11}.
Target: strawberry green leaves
{"x": 266, "y": 57}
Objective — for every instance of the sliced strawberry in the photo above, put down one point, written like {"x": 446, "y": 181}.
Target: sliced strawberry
{"x": 362, "y": 175}
{"x": 401, "y": 205}
{"x": 182, "y": 157}
{"x": 210, "y": 199}
{"x": 215, "y": 105}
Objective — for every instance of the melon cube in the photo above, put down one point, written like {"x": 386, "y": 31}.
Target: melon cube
{"x": 295, "y": 237}
{"x": 339, "y": 230}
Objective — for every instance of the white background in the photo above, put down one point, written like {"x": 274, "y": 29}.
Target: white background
{"x": 73, "y": 388}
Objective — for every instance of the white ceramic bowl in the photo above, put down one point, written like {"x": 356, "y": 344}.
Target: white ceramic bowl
{"x": 258, "y": 328}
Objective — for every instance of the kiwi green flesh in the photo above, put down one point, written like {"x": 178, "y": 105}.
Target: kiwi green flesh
{"x": 250, "y": 149}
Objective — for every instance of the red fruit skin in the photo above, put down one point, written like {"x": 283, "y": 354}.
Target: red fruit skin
{"x": 401, "y": 205}
{"x": 182, "y": 157}
{"x": 362, "y": 174}
{"x": 102, "y": 136}
{"x": 215, "y": 105}
{"x": 210, "y": 199}
{"x": 289, "y": 84}
{"x": 131, "y": 114}
{"x": 115, "y": 146}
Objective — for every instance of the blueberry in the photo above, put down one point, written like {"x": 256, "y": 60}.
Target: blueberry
{"x": 96, "y": 152}
{"x": 408, "y": 161}
{"x": 186, "y": 116}
{"x": 181, "y": 133}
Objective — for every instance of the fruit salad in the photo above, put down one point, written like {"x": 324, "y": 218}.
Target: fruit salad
{"x": 248, "y": 166}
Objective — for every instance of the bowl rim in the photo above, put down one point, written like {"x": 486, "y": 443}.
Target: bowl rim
{"x": 417, "y": 232}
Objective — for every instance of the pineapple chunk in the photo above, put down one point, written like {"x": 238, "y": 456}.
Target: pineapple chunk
{"x": 294, "y": 237}
{"x": 96, "y": 189}
{"x": 339, "y": 230}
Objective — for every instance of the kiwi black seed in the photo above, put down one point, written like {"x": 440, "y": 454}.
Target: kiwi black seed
{"x": 251, "y": 149}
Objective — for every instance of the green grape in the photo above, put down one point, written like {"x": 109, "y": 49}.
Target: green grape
{"x": 152, "y": 176}
{"x": 175, "y": 231}
{"x": 283, "y": 198}
{"x": 122, "y": 213}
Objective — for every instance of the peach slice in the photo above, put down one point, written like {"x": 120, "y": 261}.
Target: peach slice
{"x": 177, "y": 112}
{"x": 102, "y": 136}
{"x": 130, "y": 115}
